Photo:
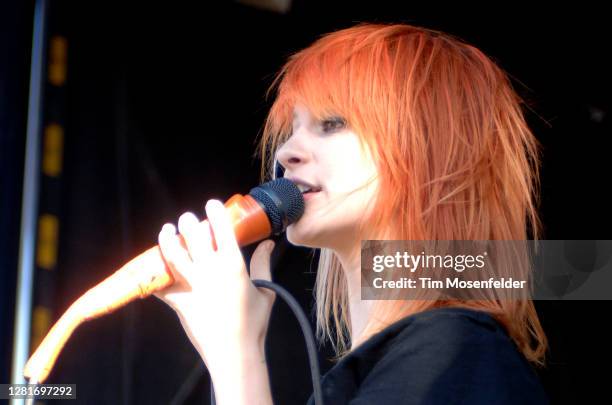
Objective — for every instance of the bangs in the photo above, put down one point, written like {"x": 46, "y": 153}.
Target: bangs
{"x": 336, "y": 76}
{"x": 316, "y": 79}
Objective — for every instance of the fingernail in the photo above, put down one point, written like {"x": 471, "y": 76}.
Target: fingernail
{"x": 169, "y": 228}
{"x": 188, "y": 218}
{"x": 211, "y": 203}
{"x": 270, "y": 245}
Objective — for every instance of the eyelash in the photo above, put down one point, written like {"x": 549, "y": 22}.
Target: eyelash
{"x": 338, "y": 123}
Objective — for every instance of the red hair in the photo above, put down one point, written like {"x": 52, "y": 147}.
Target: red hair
{"x": 455, "y": 157}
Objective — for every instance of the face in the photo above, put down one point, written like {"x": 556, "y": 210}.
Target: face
{"x": 327, "y": 157}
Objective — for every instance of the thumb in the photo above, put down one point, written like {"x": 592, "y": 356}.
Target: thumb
{"x": 260, "y": 261}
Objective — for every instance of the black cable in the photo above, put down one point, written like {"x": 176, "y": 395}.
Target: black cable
{"x": 313, "y": 360}
{"x": 308, "y": 336}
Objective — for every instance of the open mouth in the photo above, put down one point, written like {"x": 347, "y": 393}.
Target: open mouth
{"x": 308, "y": 190}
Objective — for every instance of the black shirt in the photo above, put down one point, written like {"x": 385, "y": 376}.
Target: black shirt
{"x": 441, "y": 356}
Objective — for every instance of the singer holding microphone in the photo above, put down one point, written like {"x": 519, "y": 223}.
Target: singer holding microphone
{"x": 391, "y": 132}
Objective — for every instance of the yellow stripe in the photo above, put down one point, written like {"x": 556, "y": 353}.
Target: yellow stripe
{"x": 53, "y": 151}
{"x": 46, "y": 253}
{"x": 58, "y": 56}
{"x": 41, "y": 323}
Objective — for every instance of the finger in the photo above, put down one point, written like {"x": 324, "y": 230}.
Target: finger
{"x": 222, "y": 227}
{"x": 176, "y": 257}
{"x": 260, "y": 261}
{"x": 194, "y": 236}
{"x": 208, "y": 236}
{"x": 260, "y": 267}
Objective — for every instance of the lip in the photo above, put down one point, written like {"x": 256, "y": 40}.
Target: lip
{"x": 297, "y": 180}
{"x": 310, "y": 195}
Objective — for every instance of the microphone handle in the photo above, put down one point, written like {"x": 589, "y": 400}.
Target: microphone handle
{"x": 140, "y": 277}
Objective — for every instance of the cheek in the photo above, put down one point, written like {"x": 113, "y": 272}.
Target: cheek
{"x": 348, "y": 169}
{"x": 348, "y": 177}
{"x": 348, "y": 209}
{"x": 357, "y": 198}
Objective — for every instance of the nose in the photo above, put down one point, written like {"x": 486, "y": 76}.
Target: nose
{"x": 292, "y": 153}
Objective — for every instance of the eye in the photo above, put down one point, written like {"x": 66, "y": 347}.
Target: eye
{"x": 333, "y": 124}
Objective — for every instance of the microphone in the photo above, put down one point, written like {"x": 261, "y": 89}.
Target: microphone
{"x": 267, "y": 209}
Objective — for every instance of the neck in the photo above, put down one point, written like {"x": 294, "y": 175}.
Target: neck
{"x": 350, "y": 258}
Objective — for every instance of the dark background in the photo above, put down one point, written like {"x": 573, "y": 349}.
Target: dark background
{"x": 161, "y": 109}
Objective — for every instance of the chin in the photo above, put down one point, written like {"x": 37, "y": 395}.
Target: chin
{"x": 298, "y": 237}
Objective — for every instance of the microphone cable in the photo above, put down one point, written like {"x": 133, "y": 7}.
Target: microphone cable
{"x": 311, "y": 349}
{"x": 313, "y": 360}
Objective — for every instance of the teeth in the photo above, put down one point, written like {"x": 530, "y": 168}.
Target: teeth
{"x": 304, "y": 188}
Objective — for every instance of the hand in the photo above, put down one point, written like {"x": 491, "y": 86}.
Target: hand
{"x": 223, "y": 313}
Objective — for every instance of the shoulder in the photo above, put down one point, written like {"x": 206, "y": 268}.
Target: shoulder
{"x": 445, "y": 335}
{"x": 448, "y": 355}
{"x": 455, "y": 332}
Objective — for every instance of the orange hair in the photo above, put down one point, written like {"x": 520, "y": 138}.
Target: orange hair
{"x": 455, "y": 157}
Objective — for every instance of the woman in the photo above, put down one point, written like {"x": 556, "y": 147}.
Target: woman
{"x": 400, "y": 133}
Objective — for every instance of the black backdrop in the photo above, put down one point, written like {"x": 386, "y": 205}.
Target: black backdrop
{"x": 161, "y": 109}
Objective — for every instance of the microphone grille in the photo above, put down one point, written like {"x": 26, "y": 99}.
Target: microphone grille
{"x": 282, "y": 201}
